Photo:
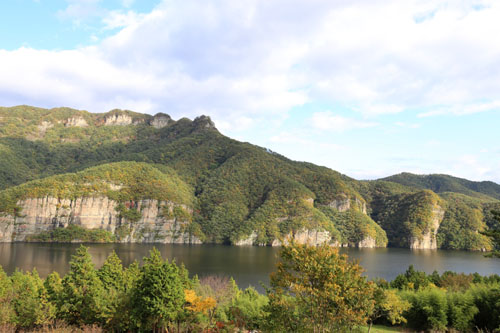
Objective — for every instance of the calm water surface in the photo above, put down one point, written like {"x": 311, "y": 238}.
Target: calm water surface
{"x": 248, "y": 265}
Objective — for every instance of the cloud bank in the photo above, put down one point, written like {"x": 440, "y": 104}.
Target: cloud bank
{"x": 232, "y": 59}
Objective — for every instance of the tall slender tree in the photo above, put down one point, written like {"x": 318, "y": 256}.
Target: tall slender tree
{"x": 159, "y": 294}
{"x": 82, "y": 291}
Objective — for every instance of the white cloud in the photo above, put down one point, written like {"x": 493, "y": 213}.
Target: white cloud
{"x": 80, "y": 10}
{"x": 117, "y": 19}
{"x": 258, "y": 59}
{"x": 329, "y": 121}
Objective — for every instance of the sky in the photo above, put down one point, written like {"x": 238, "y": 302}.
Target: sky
{"x": 369, "y": 88}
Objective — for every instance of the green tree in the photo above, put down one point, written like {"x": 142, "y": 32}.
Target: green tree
{"x": 315, "y": 289}
{"x": 428, "y": 309}
{"x": 82, "y": 292}
{"x": 248, "y": 309}
{"x": 494, "y": 236}
{"x": 31, "y": 300}
{"x": 159, "y": 293}
{"x": 388, "y": 305}
{"x": 411, "y": 279}
{"x": 6, "y": 295}
{"x": 112, "y": 277}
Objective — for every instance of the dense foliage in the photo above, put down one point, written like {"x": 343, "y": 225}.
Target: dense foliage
{"x": 314, "y": 289}
{"x": 451, "y": 300}
{"x": 236, "y": 190}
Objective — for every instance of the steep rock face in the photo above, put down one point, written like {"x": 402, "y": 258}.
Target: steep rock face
{"x": 160, "y": 120}
{"x": 367, "y": 242}
{"x": 45, "y": 214}
{"x": 344, "y": 203}
{"x": 304, "y": 236}
{"x": 76, "y": 122}
{"x": 428, "y": 239}
{"x": 117, "y": 119}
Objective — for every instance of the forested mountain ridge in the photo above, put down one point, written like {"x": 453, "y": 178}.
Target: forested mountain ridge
{"x": 445, "y": 183}
{"x": 152, "y": 179}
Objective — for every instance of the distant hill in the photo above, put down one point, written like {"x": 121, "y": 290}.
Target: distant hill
{"x": 154, "y": 179}
{"x": 444, "y": 183}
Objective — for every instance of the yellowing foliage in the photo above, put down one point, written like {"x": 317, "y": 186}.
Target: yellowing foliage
{"x": 198, "y": 304}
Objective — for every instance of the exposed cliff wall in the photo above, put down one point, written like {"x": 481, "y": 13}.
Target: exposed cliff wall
{"x": 310, "y": 237}
{"x": 45, "y": 214}
{"x": 428, "y": 238}
{"x": 344, "y": 203}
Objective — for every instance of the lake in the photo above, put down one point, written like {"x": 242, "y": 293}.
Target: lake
{"x": 247, "y": 265}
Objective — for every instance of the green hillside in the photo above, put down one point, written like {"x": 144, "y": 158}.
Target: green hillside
{"x": 445, "y": 183}
{"x": 236, "y": 189}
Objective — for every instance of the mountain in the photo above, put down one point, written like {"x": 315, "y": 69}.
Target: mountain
{"x": 66, "y": 174}
{"x": 445, "y": 183}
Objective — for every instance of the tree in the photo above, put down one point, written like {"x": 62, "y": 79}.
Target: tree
{"x": 6, "y": 295}
{"x": 494, "y": 236}
{"x": 112, "y": 277}
{"x": 30, "y": 300}
{"x": 159, "y": 294}
{"x": 315, "y": 289}
{"x": 388, "y": 305}
{"x": 411, "y": 279}
{"x": 82, "y": 292}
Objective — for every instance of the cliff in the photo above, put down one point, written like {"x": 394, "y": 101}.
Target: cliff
{"x": 427, "y": 240}
{"x": 156, "y": 224}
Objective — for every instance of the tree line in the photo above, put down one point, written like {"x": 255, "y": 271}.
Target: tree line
{"x": 314, "y": 289}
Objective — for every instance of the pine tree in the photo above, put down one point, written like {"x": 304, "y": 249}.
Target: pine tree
{"x": 31, "y": 302}
{"x": 159, "y": 294}
{"x": 82, "y": 291}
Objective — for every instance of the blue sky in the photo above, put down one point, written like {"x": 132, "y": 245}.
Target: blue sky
{"x": 367, "y": 87}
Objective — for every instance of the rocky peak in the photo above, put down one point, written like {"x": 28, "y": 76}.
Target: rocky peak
{"x": 203, "y": 122}
{"x": 160, "y": 120}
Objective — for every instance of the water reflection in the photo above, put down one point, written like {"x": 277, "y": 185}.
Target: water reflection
{"x": 248, "y": 265}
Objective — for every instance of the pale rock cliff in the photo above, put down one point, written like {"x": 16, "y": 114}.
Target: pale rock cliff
{"x": 75, "y": 122}
{"x": 428, "y": 239}
{"x": 368, "y": 242}
{"x": 45, "y": 214}
{"x": 304, "y": 236}
{"x": 344, "y": 203}
{"x": 121, "y": 120}
{"x": 160, "y": 120}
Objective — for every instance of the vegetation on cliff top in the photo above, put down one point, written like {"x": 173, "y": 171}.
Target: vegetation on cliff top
{"x": 122, "y": 181}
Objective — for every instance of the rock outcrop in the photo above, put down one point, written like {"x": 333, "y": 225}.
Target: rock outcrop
{"x": 344, "y": 203}
{"x": 428, "y": 239}
{"x": 75, "y": 122}
{"x": 304, "y": 236}
{"x": 44, "y": 214}
{"x": 160, "y": 120}
{"x": 117, "y": 120}
{"x": 367, "y": 242}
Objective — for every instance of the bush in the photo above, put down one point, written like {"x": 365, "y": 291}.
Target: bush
{"x": 428, "y": 309}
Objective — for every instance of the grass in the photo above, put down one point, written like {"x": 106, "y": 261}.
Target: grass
{"x": 382, "y": 329}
